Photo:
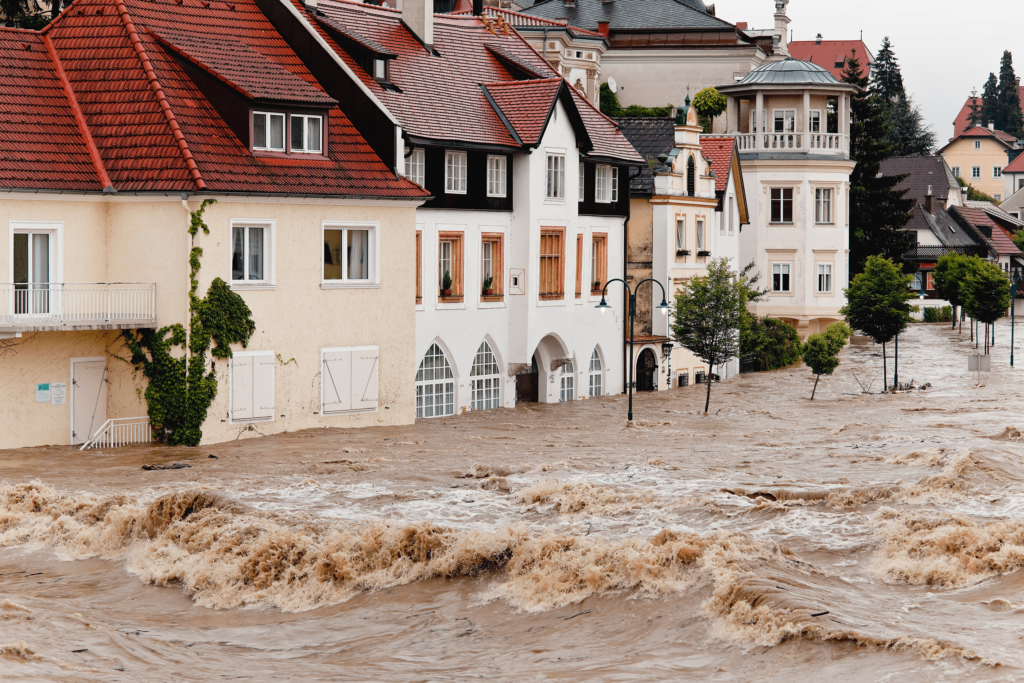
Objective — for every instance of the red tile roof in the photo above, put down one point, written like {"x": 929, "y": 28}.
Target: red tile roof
{"x": 155, "y": 130}
{"x": 828, "y": 53}
{"x": 42, "y": 146}
{"x": 1015, "y": 166}
{"x": 1000, "y": 240}
{"x": 960, "y": 124}
{"x": 607, "y": 140}
{"x": 719, "y": 151}
{"x": 527, "y": 105}
{"x": 1005, "y": 139}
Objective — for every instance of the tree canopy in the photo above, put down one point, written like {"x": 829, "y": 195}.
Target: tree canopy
{"x": 821, "y": 351}
{"x": 990, "y": 101}
{"x": 610, "y": 106}
{"x": 887, "y": 78}
{"x": 949, "y": 275}
{"x": 1009, "y": 119}
{"x": 986, "y": 292}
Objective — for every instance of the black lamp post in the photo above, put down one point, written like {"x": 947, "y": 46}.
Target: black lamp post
{"x": 1015, "y": 280}
{"x": 603, "y": 306}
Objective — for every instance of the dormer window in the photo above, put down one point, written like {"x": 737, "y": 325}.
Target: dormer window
{"x": 267, "y": 132}
{"x": 307, "y": 134}
{"x": 380, "y": 69}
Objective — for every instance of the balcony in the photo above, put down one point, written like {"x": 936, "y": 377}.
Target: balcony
{"x": 932, "y": 253}
{"x": 793, "y": 143}
{"x": 37, "y": 307}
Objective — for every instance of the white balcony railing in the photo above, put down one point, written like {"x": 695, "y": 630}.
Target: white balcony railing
{"x": 807, "y": 143}
{"x": 120, "y": 431}
{"x": 67, "y": 305}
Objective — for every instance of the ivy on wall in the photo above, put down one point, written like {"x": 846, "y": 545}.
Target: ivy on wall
{"x": 180, "y": 390}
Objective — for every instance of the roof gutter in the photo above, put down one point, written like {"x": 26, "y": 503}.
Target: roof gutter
{"x": 186, "y": 196}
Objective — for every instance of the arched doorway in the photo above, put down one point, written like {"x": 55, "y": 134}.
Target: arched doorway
{"x": 646, "y": 371}
{"x": 435, "y": 385}
{"x": 527, "y": 383}
{"x": 485, "y": 380}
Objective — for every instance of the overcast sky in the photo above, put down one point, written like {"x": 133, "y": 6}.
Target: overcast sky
{"x": 943, "y": 48}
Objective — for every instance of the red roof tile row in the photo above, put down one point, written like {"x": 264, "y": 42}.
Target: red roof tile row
{"x": 719, "y": 151}
{"x": 961, "y": 122}
{"x": 527, "y": 105}
{"x": 1000, "y": 241}
{"x": 1015, "y": 166}
{"x": 831, "y": 54}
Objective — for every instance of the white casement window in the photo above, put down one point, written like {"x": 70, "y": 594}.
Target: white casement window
{"x": 680, "y": 234}
{"x": 486, "y": 263}
{"x": 252, "y": 249}
{"x": 380, "y": 69}
{"x": 444, "y": 262}
{"x": 753, "y": 120}
{"x": 307, "y": 134}
{"x": 615, "y": 184}
{"x": 485, "y": 380}
{"x": 698, "y": 232}
{"x": 348, "y": 380}
{"x": 782, "y": 205}
{"x": 567, "y": 390}
{"x": 496, "y": 175}
{"x": 956, "y": 171}
{"x": 252, "y": 386}
{"x": 977, "y": 144}
{"x": 455, "y": 172}
{"x": 267, "y": 131}
{"x": 916, "y": 283}
{"x": 415, "y": 166}
{"x": 997, "y": 172}
{"x": 603, "y": 184}
{"x": 556, "y": 176}
{"x": 435, "y": 385}
{"x": 785, "y": 121}
{"x": 350, "y": 254}
{"x": 596, "y": 375}
{"x": 997, "y": 197}
{"x": 824, "y": 278}
{"x": 780, "y": 277}
{"x": 823, "y": 205}
{"x": 35, "y": 266}
{"x": 583, "y": 182}
{"x": 975, "y": 172}
{"x": 815, "y": 122}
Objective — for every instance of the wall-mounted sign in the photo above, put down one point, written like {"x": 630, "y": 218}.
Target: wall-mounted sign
{"x": 42, "y": 393}
{"x": 58, "y": 393}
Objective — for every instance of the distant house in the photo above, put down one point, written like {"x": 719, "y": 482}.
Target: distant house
{"x": 962, "y": 122}
{"x": 978, "y": 156}
{"x": 1013, "y": 175}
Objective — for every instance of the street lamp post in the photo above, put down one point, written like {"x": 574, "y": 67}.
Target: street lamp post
{"x": 603, "y": 306}
{"x": 1015, "y": 280}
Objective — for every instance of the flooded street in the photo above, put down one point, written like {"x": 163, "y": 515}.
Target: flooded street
{"x": 868, "y": 537}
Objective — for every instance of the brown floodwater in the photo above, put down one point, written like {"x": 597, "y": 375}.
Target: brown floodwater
{"x": 865, "y": 536}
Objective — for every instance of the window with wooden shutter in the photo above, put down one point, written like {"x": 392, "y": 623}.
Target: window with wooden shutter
{"x": 492, "y": 265}
{"x": 349, "y": 380}
{"x": 252, "y": 386}
{"x": 599, "y": 261}
{"x": 552, "y": 267}
{"x": 419, "y": 266}
{"x": 450, "y": 260}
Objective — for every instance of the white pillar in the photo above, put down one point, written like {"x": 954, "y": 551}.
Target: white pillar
{"x": 733, "y": 115}
{"x": 762, "y": 126}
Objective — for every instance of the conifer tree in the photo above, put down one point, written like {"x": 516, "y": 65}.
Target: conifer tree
{"x": 973, "y": 109}
{"x": 1009, "y": 119}
{"x": 878, "y": 211}
{"x": 908, "y": 134}
{"x": 888, "y": 80}
{"x": 990, "y": 101}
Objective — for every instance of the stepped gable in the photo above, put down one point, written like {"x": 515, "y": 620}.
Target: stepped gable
{"x": 42, "y": 146}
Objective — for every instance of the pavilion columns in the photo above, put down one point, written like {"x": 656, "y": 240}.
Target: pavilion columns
{"x": 733, "y": 115}
{"x": 807, "y": 111}
{"x": 759, "y": 116}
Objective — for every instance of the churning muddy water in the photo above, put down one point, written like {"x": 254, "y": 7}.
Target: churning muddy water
{"x": 855, "y": 537}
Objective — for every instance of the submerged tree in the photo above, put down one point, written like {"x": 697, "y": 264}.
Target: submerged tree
{"x": 986, "y": 294}
{"x": 707, "y": 317}
{"x": 949, "y": 275}
{"x": 821, "y": 351}
{"x": 877, "y": 303}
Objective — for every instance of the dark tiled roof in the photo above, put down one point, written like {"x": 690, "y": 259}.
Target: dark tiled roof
{"x": 659, "y": 15}
{"x": 520, "y": 20}
{"x": 526, "y": 105}
{"x": 788, "y": 72}
{"x": 831, "y": 54}
{"x": 719, "y": 151}
{"x": 922, "y": 172}
{"x": 650, "y": 137}
{"x": 41, "y": 146}
{"x": 942, "y": 225}
{"x": 156, "y": 131}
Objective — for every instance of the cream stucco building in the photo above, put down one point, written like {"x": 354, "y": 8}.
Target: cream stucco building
{"x": 978, "y": 157}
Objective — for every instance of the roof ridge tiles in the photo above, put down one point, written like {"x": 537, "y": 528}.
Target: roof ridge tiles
{"x": 158, "y": 90}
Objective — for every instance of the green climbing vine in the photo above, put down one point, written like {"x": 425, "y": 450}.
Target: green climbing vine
{"x": 180, "y": 390}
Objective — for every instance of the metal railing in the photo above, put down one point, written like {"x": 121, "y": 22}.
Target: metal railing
{"x": 931, "y": 253}
{"x": 811, "y": 143}
{"x": 121, "y": 431}
{"x": 63, "y": 305}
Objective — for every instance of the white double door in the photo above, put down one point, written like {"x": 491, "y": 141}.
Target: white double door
{"x": 34, "y": 265}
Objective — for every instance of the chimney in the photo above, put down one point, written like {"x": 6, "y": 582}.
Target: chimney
{"x": 602, "y": 28}
{"x": 929, "y": 201}
{"x": 418, "y": 15}
{"x": 991, "y": 126}
{"x": 741, "y": 25}
{"x": 817, "y": 41}
{"x": 781, "y": 27}
{"x": 478, "y": 7}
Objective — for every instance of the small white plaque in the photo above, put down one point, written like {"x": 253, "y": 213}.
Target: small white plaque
{"x": 42, "y": 393}
{"x": 58, "y": 393}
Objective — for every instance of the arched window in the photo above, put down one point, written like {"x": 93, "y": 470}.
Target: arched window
{"x": 595, "y": 374}
{"x": 435, "y": 385}
{"x": 485, "y": 380}
{"x": 691, "y": 177}
{"x": 567, "y": 392}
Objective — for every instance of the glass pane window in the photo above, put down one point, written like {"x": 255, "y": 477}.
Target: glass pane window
{"x": 595, "y": 375}
{"x": 680, "y": 234}
{"x": 785, "y": 121}
{"x": 416, "y": 166}
{"x": 916, "y": 283}
{"x": 556, "y": 176}
{"x": 997, "y": 172}
{"x": 975, "y": 171}
{"x": 444, "y": 262}
{"x": 602, "y": 184}
{"x": 268, "y": 131}
{"x": 32, "y": 257}
{"x": 380, "y": 69}
{"x": 780, "y": 277}
{"x": 824, "y": 277}
{"x": 487, "y": 264}
{"x": 348, "y": 254}
{"x": 306, "y": 134}
{"x": 583, "y": 182}
{"x": 823, "y": 205}
{"x": 782, "y": 205}
{"x": 699, "y": 234}
{"x": 956, "y": 171}
{"x": 615, "y": 184}
{"x": 485, "y": 379}
{"x": 567, "y": 389}
{"x": 455, "y": 172}
{"x": 435, "y": 385}
{"x": 815, "y": 121}
{"x": 249, "y": 253}
{"x": 496, "y": 175}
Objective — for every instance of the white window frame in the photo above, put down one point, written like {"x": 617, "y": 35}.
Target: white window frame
{"x": 567, "y": 384}
{"x": 602, "y": 184}
{"x": 374, "y": 257}
{"x": 788, "y": 115}
{"x": 680, "y": 233}
{"x": 826, "y": 270}
{"x": 788, "y": 265}
{"x": 454, "y": 172}
{"x": 327, "y": 376}
{"x": 956, "y": 171}
{"x": 615, "y": 184}
{"x": 284, "y": 131}
{"x": 582, "y": 183}
{"x": 56, "y": 231}
{"x": 380, "y": 69}
{"x": 303, "y": 120}
{"x": 997, "y": 172}
{"x": 416, "y": 167}
{"x": 442, "y": 258}
{"x": 269, "y": 251}
{"x": 497, "y": 175}
{"x": 480, "y": 385}
{"x": 487, "y": 262}
{"x": 975, "y": 172}
{"x": 255, "y": 355}
{"x": 821, "y": 203}
{"x": 977, "y": 144}
{"x": 698, "y": 234}
{"x": 554, "y": 177}
{"x": 814, "y": 121}
{"x": 595, "y": 375}
{"x": 448, "y": 382}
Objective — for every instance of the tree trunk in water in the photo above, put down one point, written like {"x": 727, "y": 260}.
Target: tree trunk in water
{"x": 885, "y": 371}
{"x": 707, "y": 401}
{"x": 896, "y": 367}
{"x": 815, "y": 389}
{"x": 954, "y": 317}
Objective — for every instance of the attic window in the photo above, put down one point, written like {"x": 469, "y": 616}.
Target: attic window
{"x": 307, "y": 134}
{"x": 267, "y": 132}
{"x": 380, "y": 69}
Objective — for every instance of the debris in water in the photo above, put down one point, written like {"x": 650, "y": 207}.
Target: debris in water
{"x": 172, "y": 466}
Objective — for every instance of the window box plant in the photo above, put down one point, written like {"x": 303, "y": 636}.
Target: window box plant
{"x": 487, "y": 289}
{"x": 703, "y": 253}
{"x": 597, "y": 287}
{"x": 446, "y": 284}
{"x": 682, "y": 252}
